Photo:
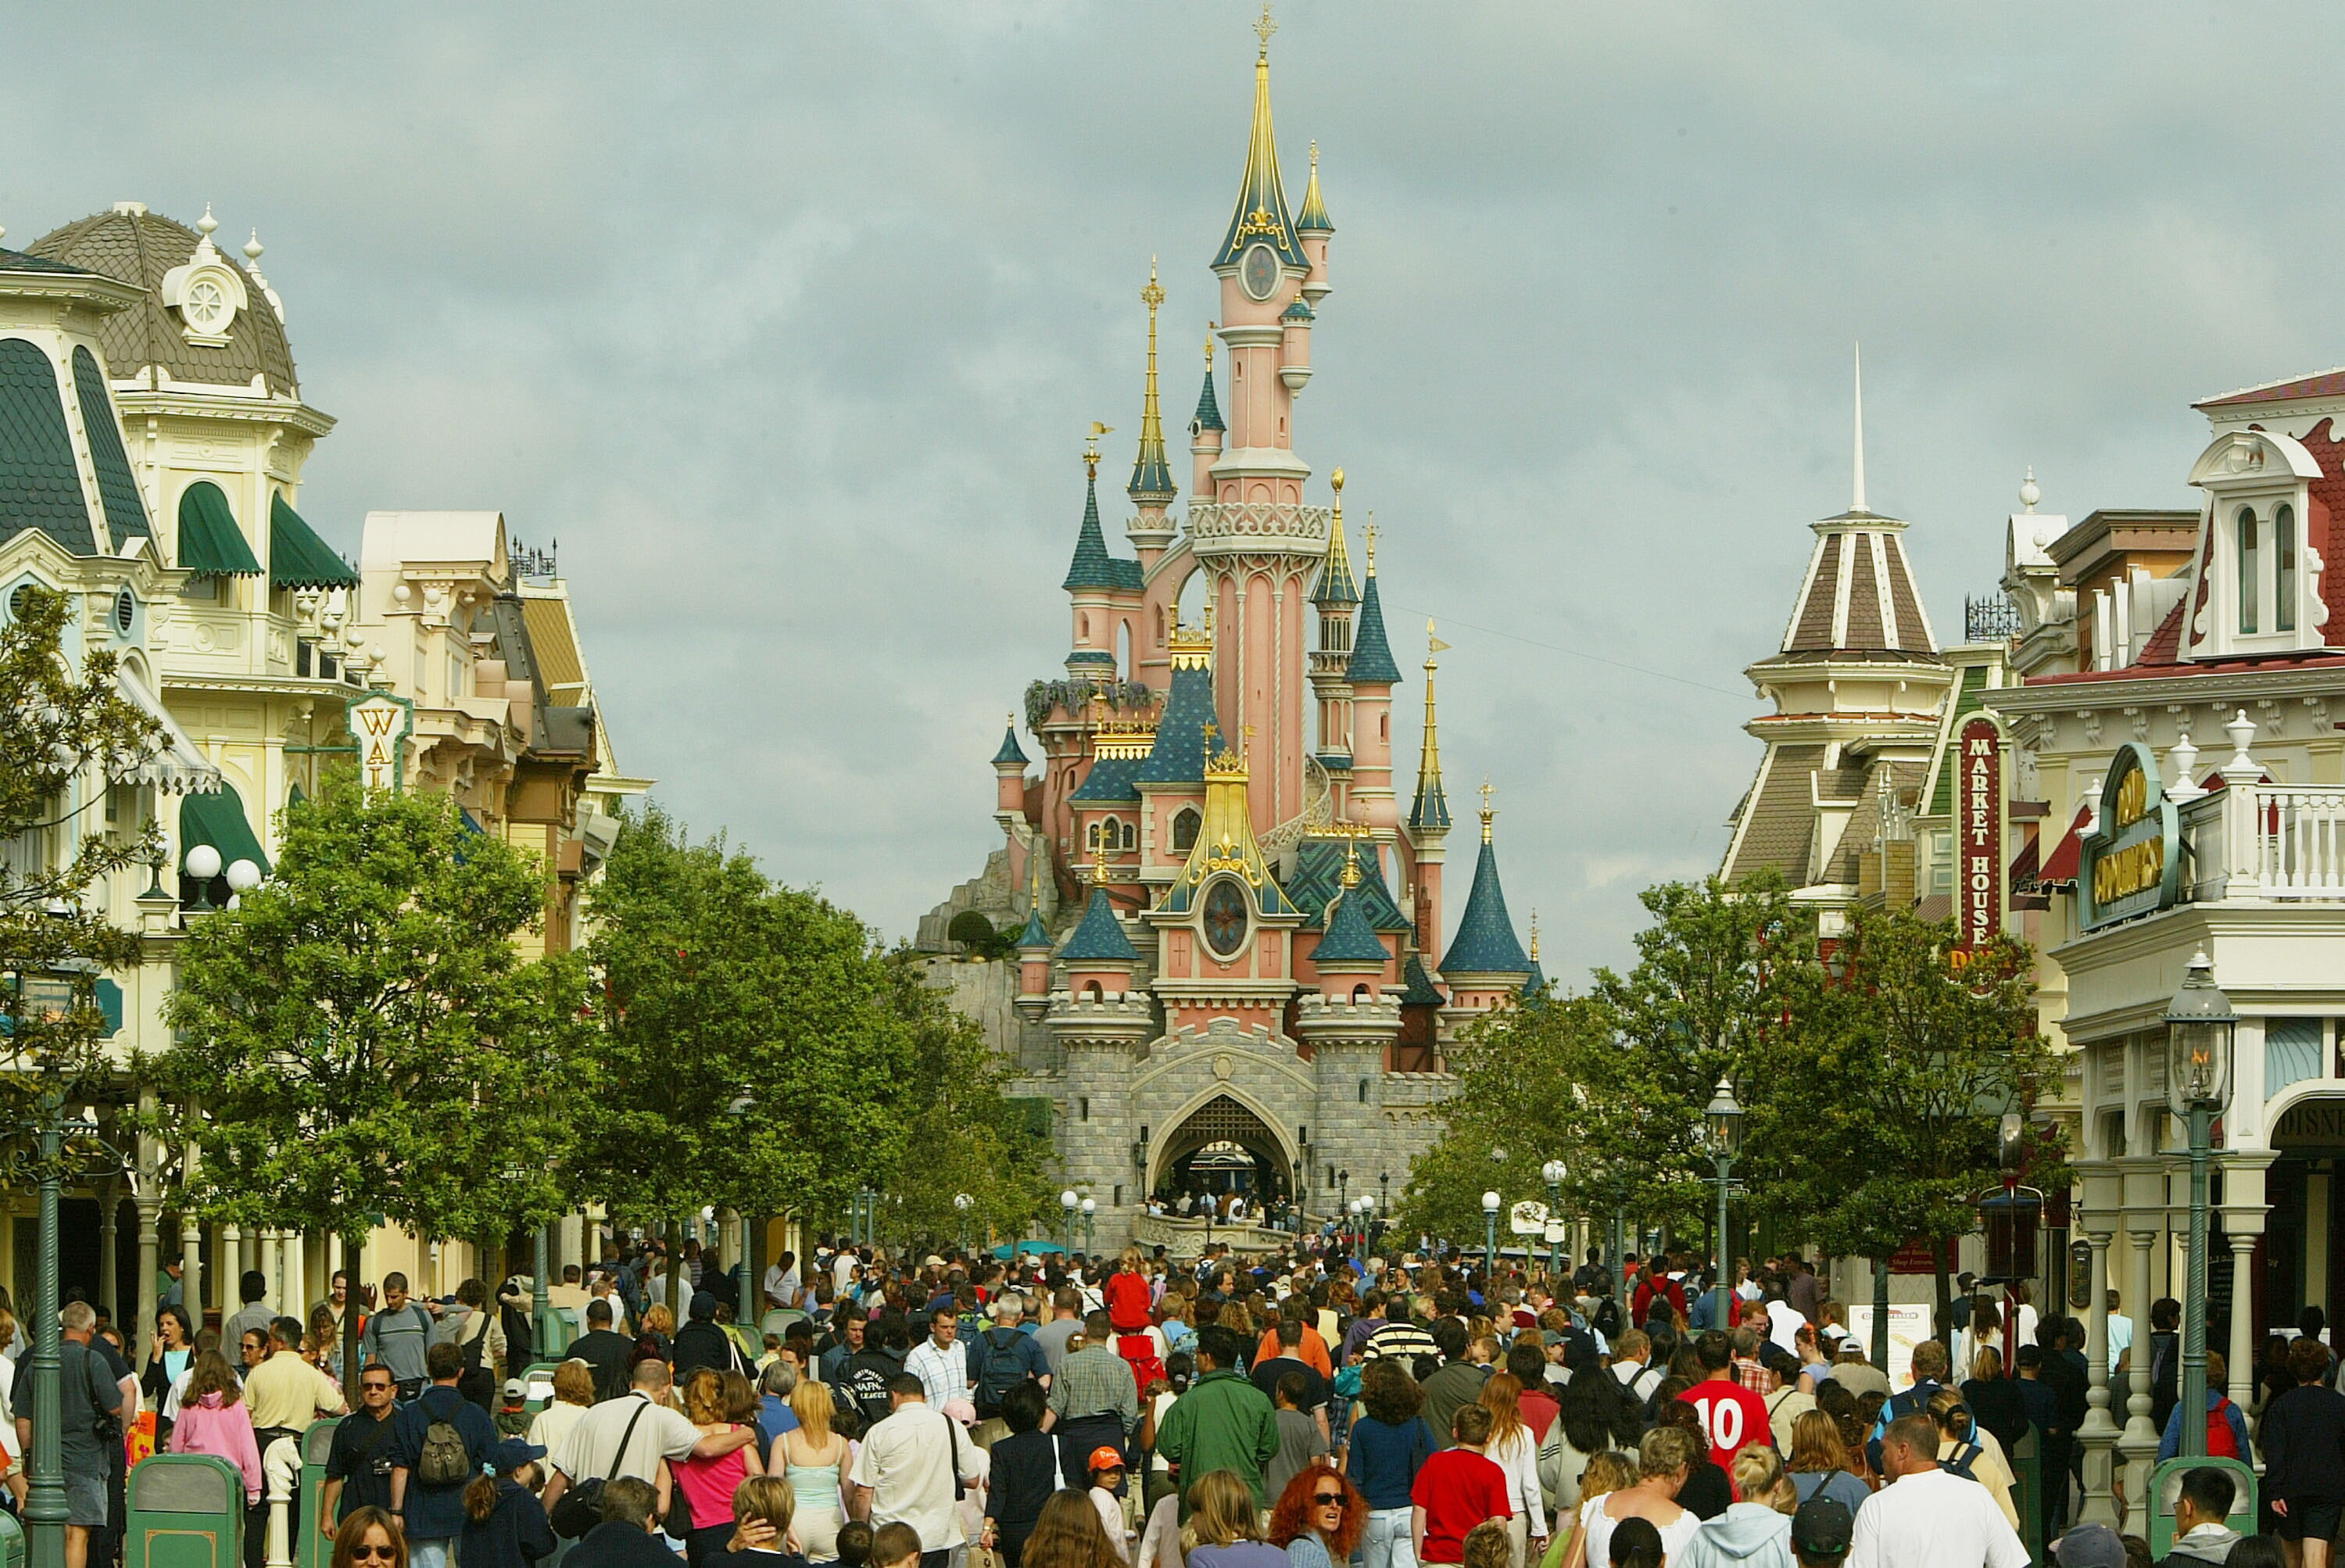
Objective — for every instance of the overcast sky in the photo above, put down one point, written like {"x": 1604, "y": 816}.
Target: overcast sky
{"x": 787, "y": 321}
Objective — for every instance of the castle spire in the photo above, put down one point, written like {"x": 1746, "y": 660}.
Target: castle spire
{"x": 1431, "y": 808}
{"x": 1486, "y": 942}
{"x": 1261, "y": 212}
{"x": 1152, "y": 473}
{"x": 1335, "y": 586}
{"x": 1372, "y": 661}
{"x": 1858, "y": 504}
{"x": 1209, "y": 408}
{"x": 1313, "y": 218}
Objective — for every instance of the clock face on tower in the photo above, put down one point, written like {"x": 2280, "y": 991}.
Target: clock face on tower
{"x": 1259, "y": 271}
{"x": 1225, "y": 919}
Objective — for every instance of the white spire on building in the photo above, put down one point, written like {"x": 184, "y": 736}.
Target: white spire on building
{"x": 1858, "y": 504}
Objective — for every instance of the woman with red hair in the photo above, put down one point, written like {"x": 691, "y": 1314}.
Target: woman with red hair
{"x": 1319, "y": 1518}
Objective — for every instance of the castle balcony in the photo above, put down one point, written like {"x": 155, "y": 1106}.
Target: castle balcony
{"x": 1258, "y": 528}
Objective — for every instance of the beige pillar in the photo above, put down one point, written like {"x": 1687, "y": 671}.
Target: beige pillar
{"x": 272, "y": 1265}
{"x": 191, "y": 1265}
{"x": 227, "y": 1245}
{"x": 2098, "y": 1435}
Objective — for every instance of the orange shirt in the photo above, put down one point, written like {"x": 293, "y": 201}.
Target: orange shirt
{"x": 1312, "y": 1352}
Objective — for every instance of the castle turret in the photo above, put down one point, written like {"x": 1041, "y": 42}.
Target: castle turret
{"x": 1428, "y": 814}
{"x": 1314, "y": 228}
{"x": 1205, "y": 429}
{"x": 1337, "y": 597}
{"x": 1486, "y": 964}
{"x": 1034, "y": 950}
{"x": 1106, "y": 590}
{"x": 1152, "y": 488}
{"x": 1010, "y": 777}
{"x": 1372, "y": 676}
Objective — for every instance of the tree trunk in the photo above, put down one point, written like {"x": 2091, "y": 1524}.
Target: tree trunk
{"x": 1941, "y": 1327}
{"x": 353, "y": 1247}
{"x": 1881, "y": 1313}
{"x": 675, "y": 1270}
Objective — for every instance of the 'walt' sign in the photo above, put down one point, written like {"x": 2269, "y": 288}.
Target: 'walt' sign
{"x": 1978, "y": 831}
{"x": 2130, "y": 866}
{"x": 381, "y": 724}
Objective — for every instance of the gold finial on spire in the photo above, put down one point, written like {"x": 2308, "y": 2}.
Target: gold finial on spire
{"x": 1152, "y": 295}
{"x": 1209, "y": 348}
{"x": 1350, "y": 878}
{"x": 1487, "y": 812}
{"x": 1090, "y": 447}
{"x": 1098, "y": 861}
{"x": 1534, "y": 936}
{"x": 1372, "y": 543}
{"x": 1264, "y": 28}
{"x": 1152, "y": 473}
{"x": 1431, "y": 810}
{"x": 1315, "y": 155}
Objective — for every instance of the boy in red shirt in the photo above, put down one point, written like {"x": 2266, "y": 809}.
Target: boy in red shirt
{"x": 1456, "y": 1489}
{"x": 1731, "y": 1415}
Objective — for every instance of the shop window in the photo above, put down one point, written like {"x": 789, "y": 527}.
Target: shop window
{"x": 2291, "y": 1051}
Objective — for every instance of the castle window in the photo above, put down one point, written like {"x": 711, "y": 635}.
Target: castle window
{"x": 1085, "y": 1102}
{"x": 1184, "y": 830}
{"x": 1363, "y": 1089}
{"x": 1383, "y": 726}
{"x": 2284, "y": 569}
{"x": 2249, "y": 569}
{"x": 1130, "y": 835}
{"x": 1092, "y": 837}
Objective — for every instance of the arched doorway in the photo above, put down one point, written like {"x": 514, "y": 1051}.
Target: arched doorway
{"x": 1222, "y": 1147}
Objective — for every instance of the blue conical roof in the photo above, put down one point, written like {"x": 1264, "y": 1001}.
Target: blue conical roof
{"x": 1209, "y": 410}
{"x": 1372, "y": 660}
{"x": 1350, "y": 938}
{"x": 1099, "y": 939}
{"x": 1036, "y": 933}
{"x": 1486, "y": 943}
{"x": 1093, "y": 566}
{"x": 1421, "y": 990}
{"x": 1179, "y": 754}
{"x": 1011, "y": 750}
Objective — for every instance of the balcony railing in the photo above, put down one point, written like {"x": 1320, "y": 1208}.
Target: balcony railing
{"x": 2271, "y": 842}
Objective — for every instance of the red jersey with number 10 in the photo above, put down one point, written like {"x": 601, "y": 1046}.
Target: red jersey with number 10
{"x": 1731, "y": 1416}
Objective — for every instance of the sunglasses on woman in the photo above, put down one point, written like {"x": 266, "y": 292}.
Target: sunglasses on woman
{"x": 1328, "y": 1499}
{"x": 372, "y": 1554}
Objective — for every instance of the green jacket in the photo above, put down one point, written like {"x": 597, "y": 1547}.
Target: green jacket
{"x": 1223, "y": 1422}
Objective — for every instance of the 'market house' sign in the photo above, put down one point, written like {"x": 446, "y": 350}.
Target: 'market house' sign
{"x": 2130, "y": 865}
{"x": 1979, "y": 830}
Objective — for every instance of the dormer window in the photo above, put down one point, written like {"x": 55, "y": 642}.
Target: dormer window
{"x": 2284, "y": 569}
{"x": 2250, "y": 571}
{"x": 2263, "y": 568}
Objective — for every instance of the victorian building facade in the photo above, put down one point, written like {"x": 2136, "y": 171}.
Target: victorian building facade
{"x": 153, "y": 437}
{"x": 1230, "y": 919}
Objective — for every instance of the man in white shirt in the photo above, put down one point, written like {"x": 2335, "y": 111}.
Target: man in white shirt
{"x": 940, "y": 1361}
{"x": 1928, "y": 1517}
{"x": 910, "y": 1468}
{"x": 782, "y": 1282}
{"x": 1631, "y": 1358}
{"x": 629, "y": 1435}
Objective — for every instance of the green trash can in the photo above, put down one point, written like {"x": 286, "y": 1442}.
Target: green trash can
{"x": 186, "y": 1511}
{"x": 537, "y": 1384}
{"x": 2165, "y": 1485}
{"x": 2027, "y": 1458}
{"x": 12, "y": 1542}
{"x": 310, "y": 1549}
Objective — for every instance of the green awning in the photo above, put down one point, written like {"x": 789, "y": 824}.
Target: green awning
{"x": 210, "y": 544}
{"x": 217, "y": 820}
{"x": 298, "y": 558}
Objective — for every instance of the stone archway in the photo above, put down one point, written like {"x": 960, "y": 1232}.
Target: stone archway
{"x": 1217, "y": 1132}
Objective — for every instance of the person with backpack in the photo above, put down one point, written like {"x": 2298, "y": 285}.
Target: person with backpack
{"x": 1003, "y": 1357}
{"x": 397, "y": 1335}
{"x": 864, "y": 1380}
{"x": 473, "y": 1328}
{"x": 2227, "y": 1428}
{"x": 438, "y": 1443}
{"x": 1970, "y": 1451}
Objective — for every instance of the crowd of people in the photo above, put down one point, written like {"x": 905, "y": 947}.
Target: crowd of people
{"x": 1300, "y": 1411}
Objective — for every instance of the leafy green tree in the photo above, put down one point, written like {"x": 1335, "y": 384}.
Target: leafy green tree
{"x": 362, "y": 1040}
{"x": 1519, "y": 1103}
{"x": 964, "y": 1135}
{"x": 751, "y": 1054}
{"x": 1879, "y": 1121}
{"x": 63, "y": 730}
{"x": 1721, "y": 977}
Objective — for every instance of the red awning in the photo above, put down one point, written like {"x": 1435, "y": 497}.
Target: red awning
{"x": 2060, "y": 866}
{"x": 2024, "y": 874}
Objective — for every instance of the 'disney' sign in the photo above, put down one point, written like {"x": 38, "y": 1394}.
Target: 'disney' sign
{"x": 2129, "y": 865}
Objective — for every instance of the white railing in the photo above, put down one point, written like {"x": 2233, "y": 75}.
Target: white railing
{"x": 2277, "y": 841}
{"x": 2300, "y": 841}
{"x": 1258, "y": 527}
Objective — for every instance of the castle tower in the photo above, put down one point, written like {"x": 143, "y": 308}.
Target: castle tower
{"x": 1372, "y": 675}
{"x": 1257, "y": 542}
{"x": 1484, "y": 965}
{"x": 1152, "y": 488}
{"x": 1351, "y": 1025}
{"x": 1335, "y": 596}
{"x": 1428, "y": 814}
{"x": 1205, "y": 429}
{"x": 1105, "y": 590}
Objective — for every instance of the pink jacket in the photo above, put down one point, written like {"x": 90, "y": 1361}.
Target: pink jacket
{"x": 211, "y": 1427}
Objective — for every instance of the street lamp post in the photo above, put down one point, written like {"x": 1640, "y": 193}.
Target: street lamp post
{"x": 1070, "y": 1201}
{"x": 962, "y": 1204}
{"x": 1553, "y": 1172}
{"x": 1490, "y": 1204}
{"x": 2198, "y": 1028}
{"x": 45, "y": 1510}
{"x": 1367, "y": 1222}
{"x": 1090, "y": 1232}
{"x": 1344, "y": 1191}
{"x": 744, "y": 1109}
{"x": 1722, "y": 1128}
